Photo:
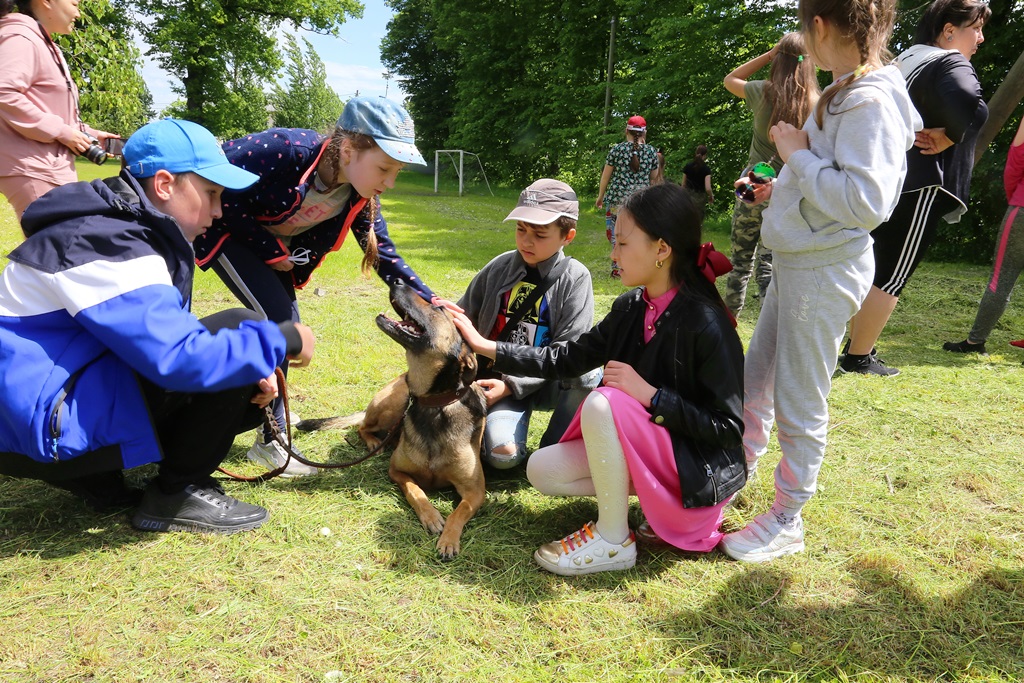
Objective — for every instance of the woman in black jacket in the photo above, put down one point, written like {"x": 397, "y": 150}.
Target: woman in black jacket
{"x": 945, "y": 90}
{"x": 667, "y": 423}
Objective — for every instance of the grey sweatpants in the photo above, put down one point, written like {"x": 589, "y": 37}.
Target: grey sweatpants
{"x": 1006, "y": 268}
{"x": 789, "y": 365}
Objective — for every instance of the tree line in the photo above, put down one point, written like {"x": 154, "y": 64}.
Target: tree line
{"x": 225, "y": 54}
{"x": 523, "y": 83}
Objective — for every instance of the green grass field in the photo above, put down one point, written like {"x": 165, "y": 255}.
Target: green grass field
{"x": 914, "y": 569}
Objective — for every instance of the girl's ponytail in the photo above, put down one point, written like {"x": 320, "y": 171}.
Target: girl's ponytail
{"x": 868, "y": 22}
{"x": 634, "y": 161}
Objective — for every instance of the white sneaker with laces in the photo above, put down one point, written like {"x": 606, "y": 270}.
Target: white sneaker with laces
{"x": 585, "y": 552}
{"x": 272, "y": 455}
{"x": 764, "y": 538}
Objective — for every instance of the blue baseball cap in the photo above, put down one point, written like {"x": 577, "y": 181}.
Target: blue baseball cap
{"x": 387, "y": 122}
{"x": 180, "y": 146}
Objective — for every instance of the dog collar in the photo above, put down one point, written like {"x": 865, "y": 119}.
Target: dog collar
{"x": 440, "y": 400}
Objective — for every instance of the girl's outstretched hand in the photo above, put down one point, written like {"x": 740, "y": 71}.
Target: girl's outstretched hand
{"x": 623, "y": 377}
{"x": 483, "y": 346}
{"x": 788, "y": 139}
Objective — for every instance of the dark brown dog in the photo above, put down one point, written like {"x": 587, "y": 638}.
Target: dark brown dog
{"x": 441, "y": 414}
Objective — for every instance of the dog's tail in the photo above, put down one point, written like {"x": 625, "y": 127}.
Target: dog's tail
{"x": 321, "y": 423}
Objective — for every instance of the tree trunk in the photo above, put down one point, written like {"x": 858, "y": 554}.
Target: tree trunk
{"x": 1006, "y": 98}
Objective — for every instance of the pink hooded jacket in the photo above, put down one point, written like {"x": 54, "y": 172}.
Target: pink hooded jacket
{"x": 38, "y": 103}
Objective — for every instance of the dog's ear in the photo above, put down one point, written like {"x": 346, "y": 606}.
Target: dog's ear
{"x": 467, "y": 359}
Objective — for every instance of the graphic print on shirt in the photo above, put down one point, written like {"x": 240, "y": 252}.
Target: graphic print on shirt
{"x": 535, "y": 327}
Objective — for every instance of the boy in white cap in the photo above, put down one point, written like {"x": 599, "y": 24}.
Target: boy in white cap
{"x": 534, "y": 295}
{"x": 102, "y": 365}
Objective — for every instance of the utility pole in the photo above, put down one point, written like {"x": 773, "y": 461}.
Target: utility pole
{"x": 387, "y": 82}
{"x": 608, "y": 83}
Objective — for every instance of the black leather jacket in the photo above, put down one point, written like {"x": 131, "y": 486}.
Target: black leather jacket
{"x": 695, "y": 358}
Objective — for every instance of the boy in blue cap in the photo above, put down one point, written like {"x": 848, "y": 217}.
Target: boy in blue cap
{"x": 312, "y": 191}
{"x": 102, "y": 365}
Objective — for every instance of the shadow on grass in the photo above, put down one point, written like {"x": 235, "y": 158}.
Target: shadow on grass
{"x": 43, "y": 521}
{"x": 889, "y": 629}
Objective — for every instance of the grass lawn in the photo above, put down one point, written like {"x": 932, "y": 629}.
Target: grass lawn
{"x": 915, "y": 543}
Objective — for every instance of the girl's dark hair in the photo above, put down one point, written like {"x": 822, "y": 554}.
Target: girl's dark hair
{"x": 668, "y": 212}
{"x": 332, "y": 155}
{"x": 942, "y": 12}
{"x": 634, "y": 160}
{"x": 867, "y": 22}
{"x": 700, "y": 153}
{"x": 7, "y": 6}
{"x": 792, "y": 85}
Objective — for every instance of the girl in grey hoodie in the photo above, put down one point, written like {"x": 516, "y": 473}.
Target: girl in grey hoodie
{"x": 842, "y": 177}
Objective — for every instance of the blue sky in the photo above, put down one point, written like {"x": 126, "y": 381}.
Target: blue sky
{"x": 352, "y": 59}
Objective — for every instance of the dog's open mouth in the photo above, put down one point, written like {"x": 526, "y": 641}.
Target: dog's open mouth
{"x": 405, "y": 326}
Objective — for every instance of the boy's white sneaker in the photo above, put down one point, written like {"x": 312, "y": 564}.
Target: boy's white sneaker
{"x": 765, "y": 538}
{"x": 585, "y": 552}
{"x": 272, "y": 455}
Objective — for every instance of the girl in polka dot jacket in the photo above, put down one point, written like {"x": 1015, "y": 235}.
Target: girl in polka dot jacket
{"x": 313, "y": 190}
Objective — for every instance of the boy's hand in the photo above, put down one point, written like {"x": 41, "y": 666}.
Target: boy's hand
{"x": 304, "y": 356}
{"x": 788, "y": 139}
{"x": 266, "y": 391}
{"x": 494, "y": 390}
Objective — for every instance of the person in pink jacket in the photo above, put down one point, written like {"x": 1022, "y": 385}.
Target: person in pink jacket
{"x": 1009, "y": 256}
{"x": 40, "y": 127}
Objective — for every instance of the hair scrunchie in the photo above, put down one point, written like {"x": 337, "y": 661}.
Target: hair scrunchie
{"x": 712, "y": 263}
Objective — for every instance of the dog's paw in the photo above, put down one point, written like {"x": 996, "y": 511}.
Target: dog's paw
{"x": 432, "y": 521}
{"x": 448, "y": 548}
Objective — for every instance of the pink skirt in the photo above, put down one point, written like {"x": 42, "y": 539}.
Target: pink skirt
{"x": 652, "y": 467}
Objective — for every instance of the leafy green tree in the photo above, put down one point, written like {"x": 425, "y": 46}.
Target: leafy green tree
{"x": 221, "y": 49}
{"x": 304, "y": 100}
{"x": 428, "y": 70}
{"x": 105, "y": 65}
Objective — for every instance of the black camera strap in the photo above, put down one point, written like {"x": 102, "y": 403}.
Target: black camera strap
{"x": 485, "y": 364}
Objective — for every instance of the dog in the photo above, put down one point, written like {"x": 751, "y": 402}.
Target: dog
{"x": 438, "y": 408}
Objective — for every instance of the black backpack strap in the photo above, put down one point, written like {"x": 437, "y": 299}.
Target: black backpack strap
{"x": 533, "y": 298}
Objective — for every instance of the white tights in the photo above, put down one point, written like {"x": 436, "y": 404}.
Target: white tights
{"x": 593, "y": 466}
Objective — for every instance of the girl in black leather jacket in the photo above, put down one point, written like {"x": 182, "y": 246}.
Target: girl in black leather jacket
{"x": 667, "y": 423}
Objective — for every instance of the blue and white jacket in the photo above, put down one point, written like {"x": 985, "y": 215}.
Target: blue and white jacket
{"x": 98, "y": 294}
{"x": 285, "y": 159}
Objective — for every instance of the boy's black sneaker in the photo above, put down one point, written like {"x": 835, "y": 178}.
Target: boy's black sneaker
{"x": 201, "y": 509}
{"x": 867, "y": 365}
{"x": 966, "y": 347}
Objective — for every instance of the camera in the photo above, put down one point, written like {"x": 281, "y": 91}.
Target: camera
{"x": 98, "y": 155}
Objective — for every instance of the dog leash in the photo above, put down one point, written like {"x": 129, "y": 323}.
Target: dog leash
{"x": 285, "y": 441}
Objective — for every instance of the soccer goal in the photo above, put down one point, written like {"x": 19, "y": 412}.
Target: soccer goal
{"x": 460, "y": 166}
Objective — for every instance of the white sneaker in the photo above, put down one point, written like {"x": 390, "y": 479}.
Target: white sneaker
{"x": 764, "y": 539}
{"x": 272, "y": 455}
{"x": 585, "y": 552}
{"x": 293, "y": 418}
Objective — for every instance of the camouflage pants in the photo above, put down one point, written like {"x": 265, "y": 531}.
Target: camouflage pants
{"x": 746, "y": 249}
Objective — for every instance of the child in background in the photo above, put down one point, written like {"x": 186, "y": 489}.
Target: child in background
{"x": 1009, "y": 256}
{"x": 787, "y": 95}
{"x": 561, "y": 310}
{"x": 631, "y": 165}
{"x": 666, "y": 424}
{"x": 697, "y": 177}
{"x": 842, "y": 177}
